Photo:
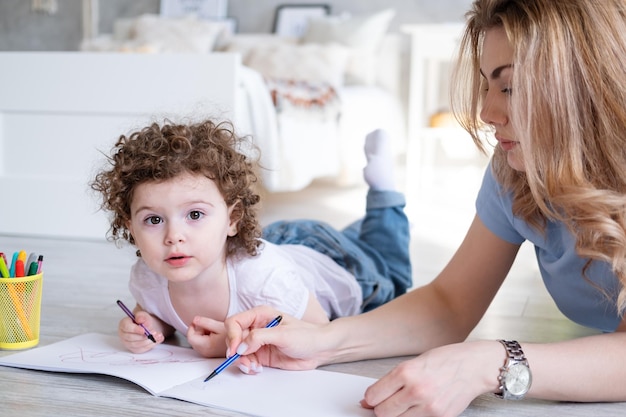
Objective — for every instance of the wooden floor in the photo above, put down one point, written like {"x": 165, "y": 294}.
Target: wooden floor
{"x": 83, "y": 279}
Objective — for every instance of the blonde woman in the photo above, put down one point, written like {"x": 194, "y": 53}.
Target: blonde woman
{"x": 547, "y": 78}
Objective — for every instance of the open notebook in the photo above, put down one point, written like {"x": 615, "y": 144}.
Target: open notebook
{"x": 177, "y": 372}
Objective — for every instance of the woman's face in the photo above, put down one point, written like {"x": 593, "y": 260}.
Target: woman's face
{"x": 496, "y": 67}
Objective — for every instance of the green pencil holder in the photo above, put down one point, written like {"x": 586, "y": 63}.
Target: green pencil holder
{"x": 20, "y": 311}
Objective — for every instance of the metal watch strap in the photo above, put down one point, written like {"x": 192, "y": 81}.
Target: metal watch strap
{"x": 513, "y": 350}
{"x": 515, "y": 354}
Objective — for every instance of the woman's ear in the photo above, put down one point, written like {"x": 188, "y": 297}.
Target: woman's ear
{"x": 235, "y": 213}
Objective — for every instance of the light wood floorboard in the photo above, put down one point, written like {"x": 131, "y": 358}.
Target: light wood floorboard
{"x": 84, "y": 278}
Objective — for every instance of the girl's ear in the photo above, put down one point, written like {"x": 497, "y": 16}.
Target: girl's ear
{"x": 235, "y": 213}
{"x": 129, "y": 227}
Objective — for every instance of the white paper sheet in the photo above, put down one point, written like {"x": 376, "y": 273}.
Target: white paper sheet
{"x": 176, "y": 372}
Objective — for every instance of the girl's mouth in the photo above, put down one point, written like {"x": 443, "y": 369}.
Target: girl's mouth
{"x": 177, "y": 260}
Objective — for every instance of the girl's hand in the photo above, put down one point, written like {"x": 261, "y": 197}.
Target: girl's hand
{"x": 440, "y": 382}
{"x": 207, "y": 337}
{"x": 133, "y": 336}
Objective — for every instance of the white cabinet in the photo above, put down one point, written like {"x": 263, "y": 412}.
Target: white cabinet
{"x": 59, "y": 111}
{"x": 433, "y": 50}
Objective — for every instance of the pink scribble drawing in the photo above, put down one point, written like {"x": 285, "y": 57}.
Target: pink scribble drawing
{"x": 117, "y": 358}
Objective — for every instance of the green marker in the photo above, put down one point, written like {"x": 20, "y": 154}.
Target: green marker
{"x": 32, "y": 268}
{"x": 3, "y": 268}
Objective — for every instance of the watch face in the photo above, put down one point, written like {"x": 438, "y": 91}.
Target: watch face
{"x": 517, "y": 380}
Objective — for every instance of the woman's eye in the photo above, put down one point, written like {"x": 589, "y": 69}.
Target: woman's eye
{"x": 507, "y": 91}
{"x": 154, "y": 220}
{"x": 195, "y": 215}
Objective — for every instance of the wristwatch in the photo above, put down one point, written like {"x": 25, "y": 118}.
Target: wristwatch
{"x": 515, "y": 376}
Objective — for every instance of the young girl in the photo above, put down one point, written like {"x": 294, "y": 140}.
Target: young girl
{"x": 547, "y": 78}
{"x": 184, "y": 196}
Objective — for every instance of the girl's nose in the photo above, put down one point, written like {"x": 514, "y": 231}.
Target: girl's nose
{"x": 174, "y": 235}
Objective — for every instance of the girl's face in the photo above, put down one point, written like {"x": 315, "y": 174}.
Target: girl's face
{"x": 496, "y": 67}
{"x": 181, "y": 226}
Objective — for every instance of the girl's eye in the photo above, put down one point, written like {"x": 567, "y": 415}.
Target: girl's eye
{"x": 154, "y": 220}
{"x": 195, "y": 215}
{"x": 507, "y": 91}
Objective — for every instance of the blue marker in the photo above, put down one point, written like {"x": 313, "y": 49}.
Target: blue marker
{"x": 236, "y": 355}
{"x": 13, "y": 262}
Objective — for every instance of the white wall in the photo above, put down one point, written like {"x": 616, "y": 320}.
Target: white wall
{"x": 21, "y": 29}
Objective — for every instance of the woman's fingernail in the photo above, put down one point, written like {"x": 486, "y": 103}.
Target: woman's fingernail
{"x": 242, "y": 348}
{"x": 228, "y": 355}
{"x": 244, "y": 369}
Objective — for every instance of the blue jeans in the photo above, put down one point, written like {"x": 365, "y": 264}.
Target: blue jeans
{"x": 374, "y": 249}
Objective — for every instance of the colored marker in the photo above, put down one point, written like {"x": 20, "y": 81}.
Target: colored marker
{"x": 39, "y": 264}
{"x": 233, "y": 358}
{"x": 19, "y": 268}
{"x": 132, "y": 317}
{"x": 13, "y": 261}
{"x": 4, "y": 271}
{"x": 32, "y": 257}
{"x": 32, "y": 268}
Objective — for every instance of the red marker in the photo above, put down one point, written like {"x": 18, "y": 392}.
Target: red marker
{"x": 19, "y": 268}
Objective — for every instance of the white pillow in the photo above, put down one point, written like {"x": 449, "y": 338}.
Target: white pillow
{"x": 187, "y": 34}
{"x": 312, "y": 62}
{"x": 363, "y": 34}
{"x": 244, "y": 43}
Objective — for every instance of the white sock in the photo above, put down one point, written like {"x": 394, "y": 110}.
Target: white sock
{"x": 379, "y": 171}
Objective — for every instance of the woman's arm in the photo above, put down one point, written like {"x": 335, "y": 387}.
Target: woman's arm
{"x": 585, "y": 369}
{"x": 442, "y": 312}
{"x": 444, "y": 380}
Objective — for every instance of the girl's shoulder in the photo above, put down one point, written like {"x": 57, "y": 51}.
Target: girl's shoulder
{"x": 141, "y": 275}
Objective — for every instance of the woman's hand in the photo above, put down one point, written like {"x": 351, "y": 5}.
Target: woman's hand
{"x": 133, "y": 336}
{"x": 440, "y": 382}
{"x": 293, "y": 344}
{"x": 207, "y": 337}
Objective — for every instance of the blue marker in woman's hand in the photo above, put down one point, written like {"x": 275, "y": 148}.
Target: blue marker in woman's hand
{"x": 232, "y": 359}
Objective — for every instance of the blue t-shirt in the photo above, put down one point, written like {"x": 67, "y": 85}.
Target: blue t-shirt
{"x": 560, "y": 266}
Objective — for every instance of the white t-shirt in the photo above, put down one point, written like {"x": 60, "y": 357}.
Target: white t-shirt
{"x": 281, "y": 276}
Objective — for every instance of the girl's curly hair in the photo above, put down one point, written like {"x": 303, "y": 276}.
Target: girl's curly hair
{"x": 162, "y": 152}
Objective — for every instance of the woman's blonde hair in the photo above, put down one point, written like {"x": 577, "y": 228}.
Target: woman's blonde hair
{"x": 568, "y": 107}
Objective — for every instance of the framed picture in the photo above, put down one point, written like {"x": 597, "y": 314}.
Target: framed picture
{"x": 292, "y": 19}
{"x": 211, "y": 9}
